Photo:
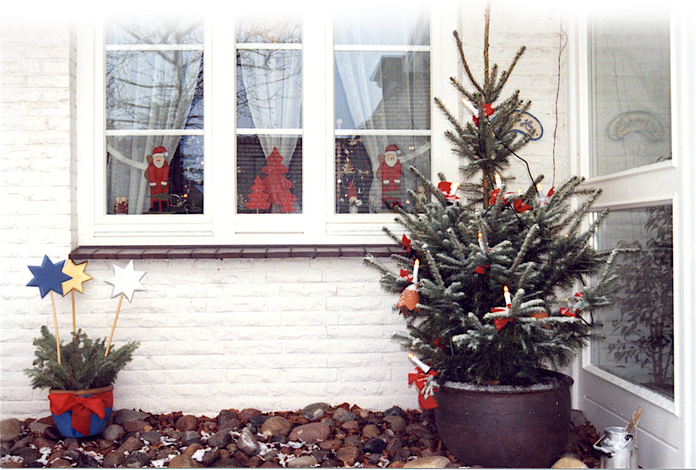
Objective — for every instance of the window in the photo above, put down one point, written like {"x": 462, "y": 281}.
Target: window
{"x": 255, "y": 129}
{"x": 630, "y": 158}
{"x": 154, "y": 117}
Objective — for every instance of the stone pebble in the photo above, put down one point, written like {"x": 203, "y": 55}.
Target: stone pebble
{"x": 316, "y": 435}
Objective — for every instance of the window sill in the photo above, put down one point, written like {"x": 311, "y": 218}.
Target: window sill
{"x": 226, "y": 252}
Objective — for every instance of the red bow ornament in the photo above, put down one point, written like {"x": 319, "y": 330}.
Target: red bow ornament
{"x": 446, "y": 188}
{"x": 494, "y": 196}
{"x": 82, "y": 407}
{"x": 520, "y": 206}
{"x": 426, "y": 387}
{"x": 481, "y": 269}
{"x": 406, "y": 242}
{"x": 406, "y": 274}
{"x": 487, "y": 109}
{"x": 500, "y": 322}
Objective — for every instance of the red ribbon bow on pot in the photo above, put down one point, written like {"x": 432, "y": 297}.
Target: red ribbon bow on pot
{"x": 426, "y": 399}
{"x": 81, "y": 407}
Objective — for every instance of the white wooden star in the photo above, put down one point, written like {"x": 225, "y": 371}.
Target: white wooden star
{"x": 126, "y": 281}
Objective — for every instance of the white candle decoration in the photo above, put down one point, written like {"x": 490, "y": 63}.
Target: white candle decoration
{"x": 421, "y": 365}
{"x": 470, "y": 106}
{"x": 498, "y": 184}
{"x": 480, "y": 240}
{"x": 416, "y": 265}
{"x": 508, "y": 298}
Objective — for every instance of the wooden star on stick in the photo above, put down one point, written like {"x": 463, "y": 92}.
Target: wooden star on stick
{"x": 125, "y": 281}
{"x": 77, "y": 272}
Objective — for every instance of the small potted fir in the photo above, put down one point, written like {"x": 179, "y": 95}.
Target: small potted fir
{"x": 498, "y": 288}
{"x": 79, "y": 374}
{"x": 81, "y": 385}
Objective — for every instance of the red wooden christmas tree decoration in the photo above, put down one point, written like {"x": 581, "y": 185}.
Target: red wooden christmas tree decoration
{"x": 276, "y": 184}
{"x": 258, "y": 198}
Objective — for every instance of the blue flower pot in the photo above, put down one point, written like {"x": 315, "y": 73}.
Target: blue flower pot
{"x": 81, "y": 413}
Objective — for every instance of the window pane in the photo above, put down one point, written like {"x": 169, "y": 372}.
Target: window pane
{"x": 269, "y": 29}
{"x": 152, "y": 89}
{"x": 155, "y": 30}
{"x": 403, "y": 24}
{"x": 154, "y": 174}
{"x": 269, "y": 174}
{"x": 639, "y": 329}
{"x": 382, "y": 90}
{"x": 269, "y": 89}
{"x": 372, "y": 173}
{"x": 630, "y": 81}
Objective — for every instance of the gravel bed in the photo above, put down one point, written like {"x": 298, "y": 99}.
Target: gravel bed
{"x": 319, "y": 435}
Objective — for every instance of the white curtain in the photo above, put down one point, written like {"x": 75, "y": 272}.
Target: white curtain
{"x": 272, "y": 81}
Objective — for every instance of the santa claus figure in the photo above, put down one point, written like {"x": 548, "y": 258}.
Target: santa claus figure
{"x": 157, "y": 173}
{"x": 390, "y": 174}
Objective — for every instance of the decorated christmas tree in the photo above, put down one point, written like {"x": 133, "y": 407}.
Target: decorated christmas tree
{"x": 496, "y": 286}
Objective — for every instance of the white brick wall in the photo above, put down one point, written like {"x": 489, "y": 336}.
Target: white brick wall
{"x": 270, "y": 334}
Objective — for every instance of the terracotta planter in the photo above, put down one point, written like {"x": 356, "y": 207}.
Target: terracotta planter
{"x": 81, "y": 413}
{"x": 518, "y": 427}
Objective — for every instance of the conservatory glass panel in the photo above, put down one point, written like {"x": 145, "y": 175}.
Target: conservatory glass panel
{"x": 639, "y": 328}
{"x": 630, "y": 87}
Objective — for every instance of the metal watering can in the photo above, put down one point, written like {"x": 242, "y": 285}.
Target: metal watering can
{"x": 618, "y": 445}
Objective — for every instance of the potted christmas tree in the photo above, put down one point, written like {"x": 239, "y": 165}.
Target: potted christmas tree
{"x": 81, "y": 373}
{"x": 497, "y": 288}
{"x": 81, "y": 385}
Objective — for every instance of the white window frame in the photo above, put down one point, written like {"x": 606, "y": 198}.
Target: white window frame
{"x": 220, "y": 224}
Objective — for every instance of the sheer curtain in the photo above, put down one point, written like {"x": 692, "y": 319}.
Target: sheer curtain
{"x": 270, "y": 64}
{"x": 272, "y": 80}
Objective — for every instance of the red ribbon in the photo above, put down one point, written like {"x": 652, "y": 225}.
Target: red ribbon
{"x": 406, "y": 242}
{"x": 520, "y": 206}
{"x": 494, "y": 196}
{"x": 446, "y": 187}
{"x": 568, "y": 312}
{"x": 487, "y": 109}
{"x": 81, "y": 407}
{"x": 481, "y": 269}
{"x": 501, "y": 322}
{"x": 406, "y": 274}
{"x": 420, "y": 378}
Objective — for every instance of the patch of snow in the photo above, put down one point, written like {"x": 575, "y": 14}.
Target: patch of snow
{"x": 548, "y": 384}
{"x": 198, "y": 455}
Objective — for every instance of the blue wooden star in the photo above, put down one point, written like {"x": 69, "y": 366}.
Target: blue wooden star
{"x": 48, "y": 277}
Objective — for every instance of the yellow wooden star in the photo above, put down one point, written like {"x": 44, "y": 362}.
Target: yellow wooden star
{"x": 77, "y": 271}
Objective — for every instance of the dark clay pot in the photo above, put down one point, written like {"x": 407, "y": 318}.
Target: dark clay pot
{"x": 513, "y": 427}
